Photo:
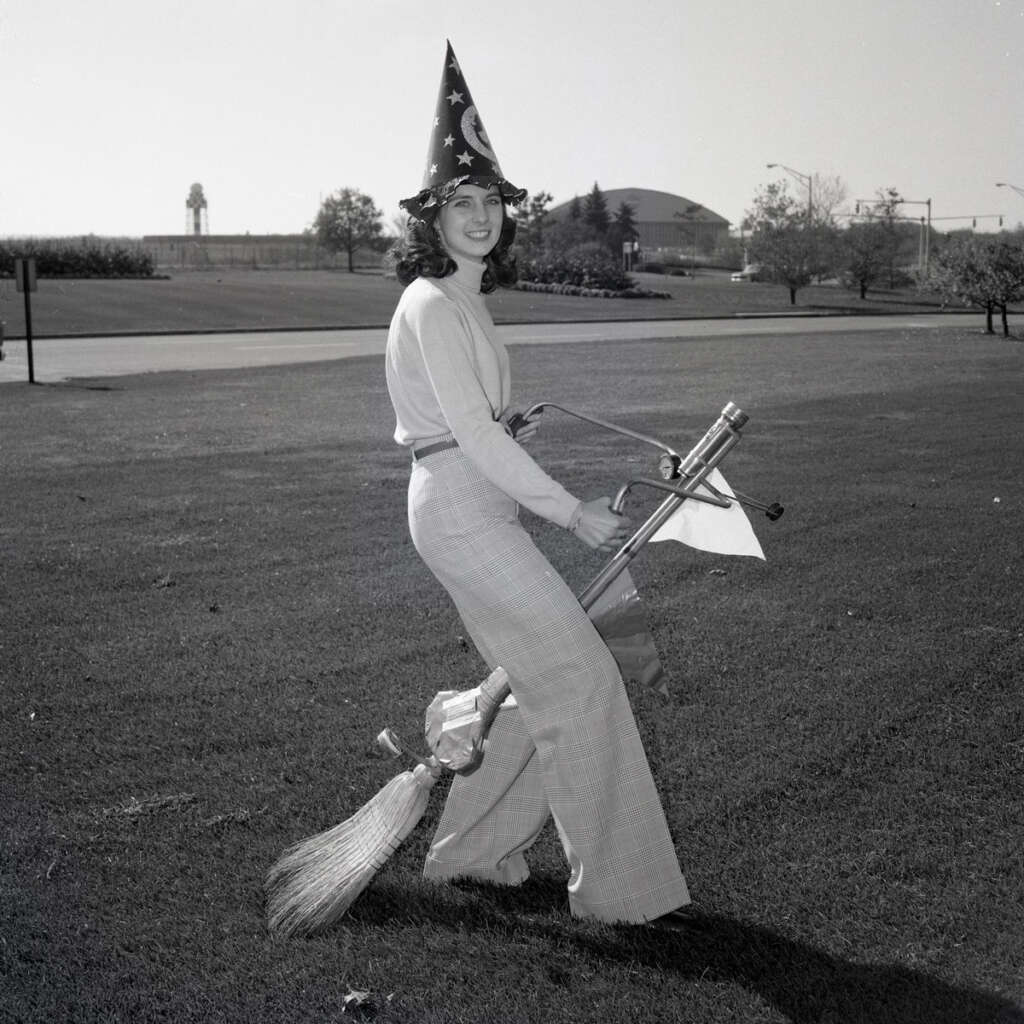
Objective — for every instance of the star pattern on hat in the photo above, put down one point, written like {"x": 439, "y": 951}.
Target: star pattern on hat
{"x": 460, "y": 149}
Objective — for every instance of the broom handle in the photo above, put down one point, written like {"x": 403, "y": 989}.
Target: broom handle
{"x": 710, "y": 450}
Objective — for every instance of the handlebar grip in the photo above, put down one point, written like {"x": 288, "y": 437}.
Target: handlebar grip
{"x": 515, "y": 422}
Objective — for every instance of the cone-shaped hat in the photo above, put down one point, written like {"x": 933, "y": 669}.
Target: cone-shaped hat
{"x": 460, "y": 150}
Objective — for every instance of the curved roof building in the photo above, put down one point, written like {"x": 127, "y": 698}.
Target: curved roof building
{"x": 663, "y": 219}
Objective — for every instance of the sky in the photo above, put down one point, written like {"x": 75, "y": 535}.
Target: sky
{"x": 113, "y": 108}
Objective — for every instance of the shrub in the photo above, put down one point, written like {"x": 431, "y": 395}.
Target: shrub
{"x": 586, "y": 265}
{"x": 555, "y": 288}
{"x": 89, "y": 257}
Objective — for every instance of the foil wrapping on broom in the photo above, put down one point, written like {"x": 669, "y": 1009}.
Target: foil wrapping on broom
{"x": 457, "y": 721}
{"x": 314, "y": 882}
{"x": 618, "y": 615}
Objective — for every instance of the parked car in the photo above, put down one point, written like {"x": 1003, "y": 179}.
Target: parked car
{"x": 751, "y": 272}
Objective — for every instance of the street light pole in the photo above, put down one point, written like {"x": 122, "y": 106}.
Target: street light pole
{"x": 804, "y": 179}
{"x": 1006, "y": 184}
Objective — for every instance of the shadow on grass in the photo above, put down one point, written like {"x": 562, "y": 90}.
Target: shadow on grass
{"x": 805, "y": 984}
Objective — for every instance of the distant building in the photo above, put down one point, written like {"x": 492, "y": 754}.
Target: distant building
{"x": 296, "y": 252}
{"x": 657, "y": 222}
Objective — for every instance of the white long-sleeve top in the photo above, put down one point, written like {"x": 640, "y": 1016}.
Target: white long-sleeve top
{"x": 448, "y": 375}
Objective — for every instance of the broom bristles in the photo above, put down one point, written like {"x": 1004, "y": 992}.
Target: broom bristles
{"x": 315, "y": 881}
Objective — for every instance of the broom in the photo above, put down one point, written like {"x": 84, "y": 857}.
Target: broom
{"x": 314, "y": 882}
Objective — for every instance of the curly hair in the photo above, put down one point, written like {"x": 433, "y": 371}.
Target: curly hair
{"x": 421, "y": 253}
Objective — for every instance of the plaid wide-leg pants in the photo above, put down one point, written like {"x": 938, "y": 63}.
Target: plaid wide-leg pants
{"x": 571, "y": 747}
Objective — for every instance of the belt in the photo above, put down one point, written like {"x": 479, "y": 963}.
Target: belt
{"x": 430, "y": 449}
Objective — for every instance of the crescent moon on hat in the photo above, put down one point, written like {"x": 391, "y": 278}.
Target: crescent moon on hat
{"x": 477, "y": 141}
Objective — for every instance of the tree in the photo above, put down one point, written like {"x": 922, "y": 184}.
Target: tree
{"x": 595, "y": 211}
{"x": 829, "y": 192}
{"x": 625, "y": 220}
{"x": 885, "y": 208}
{"x": 866, "y": 252}
{"x": 885, "y": 212}
{"x": 689, "y": 230}
{"x": 531, "y": 220}
{"x": 730, "y": 252}
{"x": 622, "y": 228}
{"x": 348, "y": 220}
{"x": 984, "y": 272}
{"x": 395, "y": 229}
{"x": 791, "y": 251}
{"x": 565, "y": 233}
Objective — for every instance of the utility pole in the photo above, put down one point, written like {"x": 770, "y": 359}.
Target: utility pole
{"x": 928, "y": 229}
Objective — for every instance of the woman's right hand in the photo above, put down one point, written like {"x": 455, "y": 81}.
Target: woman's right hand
{"x": 601, "y": 528}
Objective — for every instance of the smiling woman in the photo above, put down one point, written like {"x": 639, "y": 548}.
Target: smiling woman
{"x": 567, "y": 746}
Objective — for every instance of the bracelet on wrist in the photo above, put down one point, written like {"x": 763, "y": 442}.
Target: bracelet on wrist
{"x": 574, "y": 520}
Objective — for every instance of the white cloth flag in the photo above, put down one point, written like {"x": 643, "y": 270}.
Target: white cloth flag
{"x": 726, "y": 531}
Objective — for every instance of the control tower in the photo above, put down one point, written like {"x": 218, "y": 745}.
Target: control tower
{"x": 195, "y": 219}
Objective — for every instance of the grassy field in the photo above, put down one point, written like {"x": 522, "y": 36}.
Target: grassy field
{"x": 210, "y": 608}
{"x": 241, "y": 299}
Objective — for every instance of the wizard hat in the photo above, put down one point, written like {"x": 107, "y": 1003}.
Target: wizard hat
{"x": 459, "y": 152}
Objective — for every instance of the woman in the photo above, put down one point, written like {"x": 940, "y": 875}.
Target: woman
{"x": 568, "y": 746}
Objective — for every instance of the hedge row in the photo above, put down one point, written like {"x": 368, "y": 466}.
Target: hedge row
{"x": 588, "y": 265}
{"x": 77, "y": 259}
{"x": 557, "y": 288}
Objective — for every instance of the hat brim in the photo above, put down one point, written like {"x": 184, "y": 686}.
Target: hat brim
{"x": 425, "y": 204}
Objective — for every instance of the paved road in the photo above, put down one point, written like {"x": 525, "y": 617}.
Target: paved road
{"x": 62, "y": 358}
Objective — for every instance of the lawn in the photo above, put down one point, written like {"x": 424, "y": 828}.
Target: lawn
{"x": 210, "y": 608}
{"x": 278, "y": 299}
